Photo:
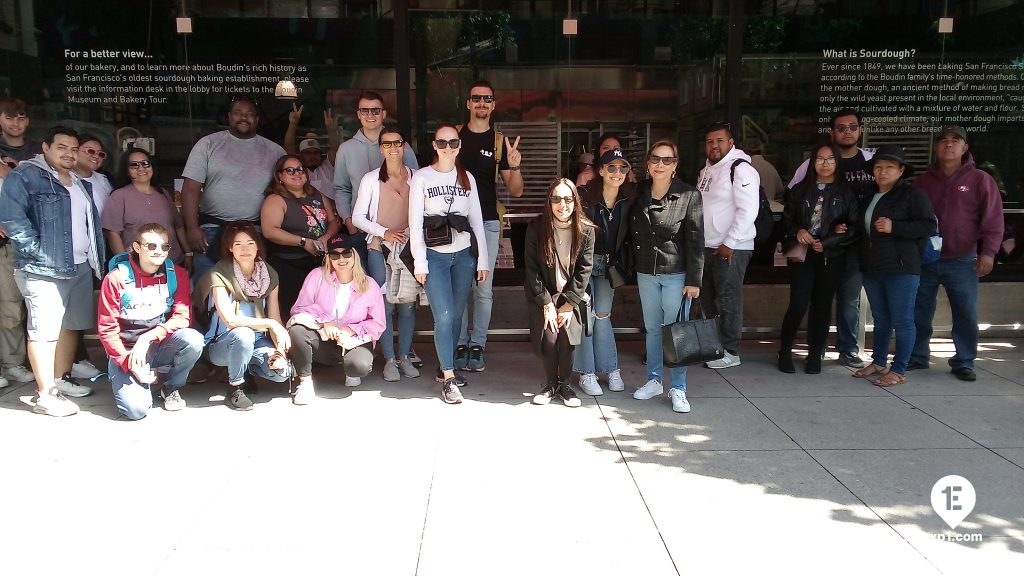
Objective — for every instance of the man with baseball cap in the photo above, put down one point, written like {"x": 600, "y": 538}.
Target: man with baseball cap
{"x": 319, "y": 168}
{"x": 970, "y": 212}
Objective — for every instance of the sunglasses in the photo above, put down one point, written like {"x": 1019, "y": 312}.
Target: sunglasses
{"x": 139, "y": 164}
{"x": 293, "y": 170}
{"x": 391, "y": 144}
{"x": 617, "y": 168}
{"x": 371, "y": 111}
{"x": 442, "y": 144}
{"x": 559, "y": 199}
{"x": 345, "y": 253}
{"x": 153, "y": 247}
{"x": 844, "y": 128}
{"x": 479, "y": 97}
{"x": 664, "y": 160}
{"x": 95, "y": 153}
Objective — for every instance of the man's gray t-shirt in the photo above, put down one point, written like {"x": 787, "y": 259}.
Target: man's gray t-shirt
{"x": 235, "y": 173}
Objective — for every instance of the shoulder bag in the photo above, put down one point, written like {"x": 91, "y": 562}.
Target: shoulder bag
{"x": 687, "y": 342}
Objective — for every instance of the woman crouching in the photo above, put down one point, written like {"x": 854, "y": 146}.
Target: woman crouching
{"x": 559, "y": 256}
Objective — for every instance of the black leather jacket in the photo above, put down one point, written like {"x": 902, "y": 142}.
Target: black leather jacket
{"x": 840, "y": 206}
{"x": 669, "y": 239}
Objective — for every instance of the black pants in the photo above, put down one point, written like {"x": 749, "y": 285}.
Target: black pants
{"x": 557, "y": 354}
{"x": 307, "y": 347}
{"x": 811, "y": 283}
{"x": 291, "y": 273}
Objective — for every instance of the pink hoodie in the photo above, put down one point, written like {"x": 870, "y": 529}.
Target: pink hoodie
{"x": 365, "y": 314}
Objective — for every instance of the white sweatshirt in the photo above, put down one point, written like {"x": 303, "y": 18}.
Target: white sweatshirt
{"x": 433, "y": 193}
{"x": 730, "y": 208}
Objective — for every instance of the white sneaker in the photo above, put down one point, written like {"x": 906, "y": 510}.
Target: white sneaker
{"x": 650, "y": 390}
{"x": 679, "y": 402}
{"x": 304, "y": 392}
{"x": 615, "y": 383}
{"x": 18, "y": 374}
{"x": 84, "y": 370}
{"x": 353, "y": 381}
{"x": 727, "y": 361}
{"x": 589, "y": 385}
{"x": 53, "y": 403}
{"x": 71, "y": 388}
{"x": 3, "y": 382}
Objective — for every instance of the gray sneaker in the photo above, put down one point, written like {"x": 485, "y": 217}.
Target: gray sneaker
{"x": 69, "y": 387}
{"x": 408, "y": 367}
{"x": 450, "y": 392}
{"x": 391, "y": 373}
{"x": 173, "y": 401}
{"x": 237, "y": 400}
{"x": 852, "y": 360}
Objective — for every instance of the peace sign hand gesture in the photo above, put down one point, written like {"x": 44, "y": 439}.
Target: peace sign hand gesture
{"x": 295, "y": 115}
{"x": 329, "y": 121}
{"x": 514, "y": 156}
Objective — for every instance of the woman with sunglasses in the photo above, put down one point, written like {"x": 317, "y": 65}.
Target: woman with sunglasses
{"x": 449, "y": 247}
{"x": 382, "y": 211}
{"x": 667, "y": 224}
{"x": 239, "y": 298}
{"x": 90, "y": 165}
{"x": 558, "y": 256}
{"x": 140, "y": 201}
{"x": 297, "y": 221}
{"x": 820, "y": 216}
{"x": 608, "y": 207}
{"x": 340, "y": 311}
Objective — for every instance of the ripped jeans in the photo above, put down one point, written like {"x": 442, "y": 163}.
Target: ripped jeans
{"x": 597, "y": 354}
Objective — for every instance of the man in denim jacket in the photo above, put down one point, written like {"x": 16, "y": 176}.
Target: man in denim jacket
{"x": 49, "y": 215}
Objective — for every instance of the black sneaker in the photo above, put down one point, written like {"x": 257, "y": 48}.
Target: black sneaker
{"x": 568, "y": 395}
{"x": 237, "y": 400}
{"x": 461, "y": 356}
{"x": 545, "y": 396}
{"x": 476, "y": 359}
{"x": 450, "y": 392}
{"x": 964, "y": 373}
{"x": 852, "y": 360}
{"x": 440, "y": 379}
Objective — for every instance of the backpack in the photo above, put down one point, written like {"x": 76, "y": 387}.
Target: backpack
{"x": 764, "y": 224}
{"x": 120, "y": 262}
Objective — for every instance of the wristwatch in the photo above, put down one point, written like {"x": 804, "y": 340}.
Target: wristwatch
{"x": 514, "y": 168}
{"x": 302, "y": 242}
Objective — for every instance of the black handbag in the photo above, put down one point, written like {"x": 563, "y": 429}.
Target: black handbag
{"x": 687, "y": 342}
{"x": 436, "y": 237}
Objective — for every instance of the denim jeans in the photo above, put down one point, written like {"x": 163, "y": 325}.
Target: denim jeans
{"x": 173, "y": 357}
{"x": 848, "y": 306}
{"x": 406, "y": 312}
{"x": 661, "y": 297}
{"x": 960, "y": 277}
{"x": 203, "y": 262}
{"x": 892, "y": 299}
{"x": 596, "y": 352}
{"x": 483, "y": 293}
{"x": 449, "y": 280}
{"x": 722, "y": 294}
{"x": 241, "y": 348}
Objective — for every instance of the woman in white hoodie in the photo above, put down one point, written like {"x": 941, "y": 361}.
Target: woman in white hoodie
{"x": 446, "y": 233}
{"x": 382, "y": 211}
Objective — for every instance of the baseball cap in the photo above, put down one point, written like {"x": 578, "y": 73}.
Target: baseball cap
{"x": 613, "y": 155}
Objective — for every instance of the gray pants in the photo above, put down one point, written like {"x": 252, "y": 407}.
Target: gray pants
{"x": 722, "y": 294}
{"x": 12, "y": 313}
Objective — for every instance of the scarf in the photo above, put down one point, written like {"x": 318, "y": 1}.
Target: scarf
{"x": 260, "y": 283}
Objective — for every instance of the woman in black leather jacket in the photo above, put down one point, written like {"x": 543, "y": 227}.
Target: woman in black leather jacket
{"x": 816, "y": 210}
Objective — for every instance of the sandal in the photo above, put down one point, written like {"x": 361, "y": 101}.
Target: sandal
{"x": 890, "y": 379}
{"x": 870, "y": 370}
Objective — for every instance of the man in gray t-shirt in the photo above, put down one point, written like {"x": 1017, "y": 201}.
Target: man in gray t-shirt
{"x": 226, "y": 175}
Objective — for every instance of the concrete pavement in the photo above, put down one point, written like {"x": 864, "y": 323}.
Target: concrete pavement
{"x": 772, "y": 473}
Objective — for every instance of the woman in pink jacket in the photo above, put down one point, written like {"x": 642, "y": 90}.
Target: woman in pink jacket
{"x": 339, "y": 311}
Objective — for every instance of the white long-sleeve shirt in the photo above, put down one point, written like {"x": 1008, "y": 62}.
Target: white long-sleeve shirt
{"x": 730, "y": 208}
{"x": 434, "y": 193}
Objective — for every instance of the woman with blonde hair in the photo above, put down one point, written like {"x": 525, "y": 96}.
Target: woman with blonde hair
{"x": 339, "y": 311}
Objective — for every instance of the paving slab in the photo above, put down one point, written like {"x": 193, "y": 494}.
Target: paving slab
{"x": 1015, "y": 455}
{"x": 859, "y": 423}
{"x": 992, "y": 421}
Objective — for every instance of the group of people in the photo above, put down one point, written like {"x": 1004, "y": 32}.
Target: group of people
{"x": 281, "y": 257}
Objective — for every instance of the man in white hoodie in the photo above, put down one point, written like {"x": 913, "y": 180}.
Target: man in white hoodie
{"x": 728, "y": 186}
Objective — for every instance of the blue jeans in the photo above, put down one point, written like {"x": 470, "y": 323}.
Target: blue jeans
{"x": 596, "y": 352}
{"x": 173, "y": 357}
{"x": 661, "y": 297}
{"x": 449, "y": 279}
{"x": 241, "y": 348}
{"x": 203, "y": 262}
{"x": 406, "y": 312}
{"x": 483, "y": 293}
{"x": 848, "y": 306}
{"x": 960, "y": 277}
{"x": 892, "y": 299}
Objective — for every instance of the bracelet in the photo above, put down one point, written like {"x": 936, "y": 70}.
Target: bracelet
{"x": 189, "y": 254}
{"x": 514, "y": 168}
{"x": 302, "y": 242}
